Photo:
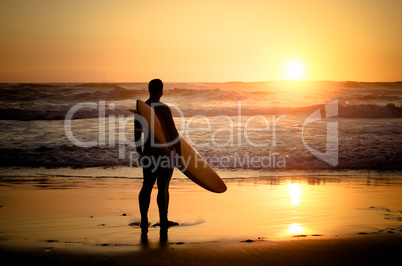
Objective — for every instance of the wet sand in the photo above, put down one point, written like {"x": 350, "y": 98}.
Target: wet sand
{"x": 357, "y": 250}
{"x": 276, "y": 220}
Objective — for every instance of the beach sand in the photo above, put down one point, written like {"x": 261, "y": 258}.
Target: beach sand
{"x": 272, "y": 220}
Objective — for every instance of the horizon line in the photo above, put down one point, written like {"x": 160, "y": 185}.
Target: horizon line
{"x": 262, "y": 81}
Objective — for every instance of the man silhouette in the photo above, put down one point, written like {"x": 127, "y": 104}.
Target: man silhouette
{"x": 157, "y": 166}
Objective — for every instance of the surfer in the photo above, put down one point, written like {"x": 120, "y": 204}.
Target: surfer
{"x": 156, "y": 165}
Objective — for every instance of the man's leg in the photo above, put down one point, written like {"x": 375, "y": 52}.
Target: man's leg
{"x": 164, "y": 176}
{"x": 144, "y": 198}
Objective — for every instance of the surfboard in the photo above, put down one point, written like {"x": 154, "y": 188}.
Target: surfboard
{"x": 193, "y": 165}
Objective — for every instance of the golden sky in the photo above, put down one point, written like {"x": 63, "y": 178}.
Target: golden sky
{"x": 175, "y": 40}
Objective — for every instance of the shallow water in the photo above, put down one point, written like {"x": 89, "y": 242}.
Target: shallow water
{"x": 94, "y": 211}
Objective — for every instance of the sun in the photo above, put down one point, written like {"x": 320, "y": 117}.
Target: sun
{"x": 294, "y": 70}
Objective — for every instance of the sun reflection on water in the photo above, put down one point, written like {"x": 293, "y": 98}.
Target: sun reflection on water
{"x": 294, "y": 193}
{"x": 295, "y": 229}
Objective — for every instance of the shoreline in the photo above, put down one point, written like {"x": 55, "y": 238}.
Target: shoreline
{"x": 329, "y": 251}
{"x": 258, "y": 221}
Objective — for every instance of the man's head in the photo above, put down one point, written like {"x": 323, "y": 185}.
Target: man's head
{"x": 155, "y": 88}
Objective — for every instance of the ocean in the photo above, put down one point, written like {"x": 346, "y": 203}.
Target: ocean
{"x": 243, "y": 129}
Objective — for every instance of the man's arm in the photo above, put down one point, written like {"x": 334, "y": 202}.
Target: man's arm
{"x": 137, "y": 135}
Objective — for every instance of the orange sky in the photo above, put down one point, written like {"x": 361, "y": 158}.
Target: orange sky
{"x": 229, "y": 40}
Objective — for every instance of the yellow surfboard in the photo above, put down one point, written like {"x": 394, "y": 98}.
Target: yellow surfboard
{"x": 194, "y": 166}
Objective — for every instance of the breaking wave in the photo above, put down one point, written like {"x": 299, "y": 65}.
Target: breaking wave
{"x": 35, "y": 144}
{"x": 74, "y": 156}
{"x": 345, "y": 111}
{"x": 53, "y": 101}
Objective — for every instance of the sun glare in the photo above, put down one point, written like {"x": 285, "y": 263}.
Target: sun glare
{"x": 294, "y": 193}
{"x": 295, "y": 229}
{"x": 294, "y": 70}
